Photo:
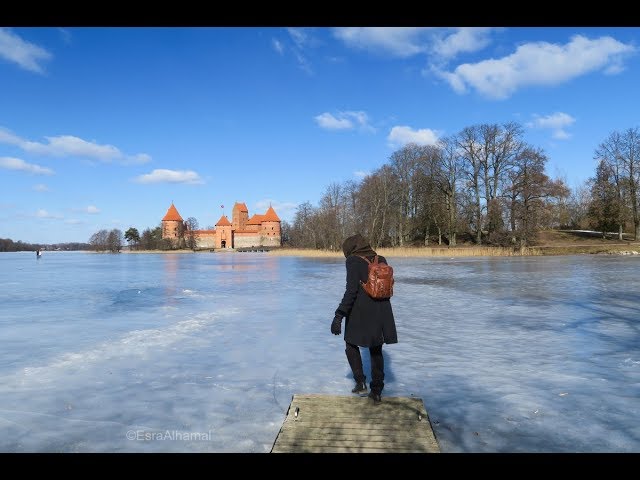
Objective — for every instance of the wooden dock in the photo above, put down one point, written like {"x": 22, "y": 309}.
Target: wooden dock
{"x": 255, "y": 249}
{"x": 352, "y": 424}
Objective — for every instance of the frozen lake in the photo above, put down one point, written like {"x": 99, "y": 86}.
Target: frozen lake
{"x": 202, "y": 353}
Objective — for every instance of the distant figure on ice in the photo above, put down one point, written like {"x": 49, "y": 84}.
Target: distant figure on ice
{"x": 369, "y": 322}
{"x": 38, "y": 254}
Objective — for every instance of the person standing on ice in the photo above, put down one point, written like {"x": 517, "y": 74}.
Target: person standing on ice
{"x": 369, "y": 322}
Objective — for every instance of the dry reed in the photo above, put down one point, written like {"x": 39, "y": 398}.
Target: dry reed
{"x": 420, "y": 252}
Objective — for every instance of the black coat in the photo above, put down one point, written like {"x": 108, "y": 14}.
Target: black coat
{"x": 369, "y": 322}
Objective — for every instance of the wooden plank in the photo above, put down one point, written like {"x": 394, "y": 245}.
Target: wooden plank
{"x": 338, "y": 436}
{"x": 301, "y": 449}
{"x": 361, "y": 442}
{"x": 319, "y": 423}
{"x": 325, "y": 423}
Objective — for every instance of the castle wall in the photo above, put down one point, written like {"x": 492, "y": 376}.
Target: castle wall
{"x": 247, "y": 240}
{"x": 275, "y": 241}
{"x": 206, "y": 241}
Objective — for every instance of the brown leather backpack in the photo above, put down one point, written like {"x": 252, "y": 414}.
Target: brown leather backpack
{"x": 380, "y": 281}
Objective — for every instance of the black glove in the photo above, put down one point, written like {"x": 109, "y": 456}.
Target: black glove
{"x": 336, "y": 325}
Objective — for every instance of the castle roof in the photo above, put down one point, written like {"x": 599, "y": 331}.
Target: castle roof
{"x": 270, "y": 216}
{"x": 255, "y": 220}
{"x": 242, "y": 206}
{"x": 223, "y": 222}
{"x": 172, "y": 214}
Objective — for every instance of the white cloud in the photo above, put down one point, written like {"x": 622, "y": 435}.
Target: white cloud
{"x": 41, "y": 213}
{"x": 397, "y": 41}
{"x": 303, "y": 63}
{"x": 27, "y": 55}
{"x": 299, "y": 36}
{"x": 301, "y": 40}
{"x": 462, "y": 40}
{"x": 404, "y": 42}
{"x": 328, "y": 121}
{"x": 40, "y": 187}
{"x": 69, "y": 145}
{"x": 73, "y": 221}
{"x": 348, "y": 120}
{"x": 277, "y": 46}
{"x": 402, "y": 135}
{"x": 91, "y": 209}
{"x": 539, "y": 63}
{"x": 64, "y": 145}
{"x": 10, "y": 163}
{"x": 9, "y": 138}
{"x": 162, "y": 175}
{"x": 360, "y": 173}
{"x": 557, "y": 122}
{"x": 66, "y": 35}
{"x": 284, "y": 210}
{"x": 560, "y": 134}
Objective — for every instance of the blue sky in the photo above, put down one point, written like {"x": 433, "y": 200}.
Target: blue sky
{"x": 103, "y": 127}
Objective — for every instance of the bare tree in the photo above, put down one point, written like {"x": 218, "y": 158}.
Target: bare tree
{"x": 445, "y": 171}
{"x": 622, "y": 152}
{"x": 376, "y": 203}
{"x": 331, "y": 217}
{"x": 99, "y": 241}
{"x": 303, "y": 230}
{"x": 528, "y": 189}
{"x": 501, "y": 146}
{"x": 115, "y": 239}
{"x": 191, "y": 225}
{"x": 404, "y": 164}
{"x": 470, "y": 143}
{"x": 578, "y": 206}
{"x": 285, "y": 233}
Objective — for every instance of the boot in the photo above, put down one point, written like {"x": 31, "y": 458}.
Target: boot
{"x": 376, "y": 398}
{"x": 360, "y": 388}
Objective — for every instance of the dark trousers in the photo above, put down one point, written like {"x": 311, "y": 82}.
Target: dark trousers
{"x": 377, "y": 366}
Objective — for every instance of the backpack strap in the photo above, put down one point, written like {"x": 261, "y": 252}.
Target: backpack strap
{"x": 375, "y": 260}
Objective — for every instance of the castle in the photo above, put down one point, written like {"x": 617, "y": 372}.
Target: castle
{"x": 242, "y": 231}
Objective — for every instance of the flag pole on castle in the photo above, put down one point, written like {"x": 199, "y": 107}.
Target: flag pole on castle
{"x": 222, "y": 207}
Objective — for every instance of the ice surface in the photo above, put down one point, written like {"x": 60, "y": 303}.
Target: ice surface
{"x": 202, "y": 353}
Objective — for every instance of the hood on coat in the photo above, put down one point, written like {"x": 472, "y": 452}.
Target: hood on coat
{"x": 357, "y": 245}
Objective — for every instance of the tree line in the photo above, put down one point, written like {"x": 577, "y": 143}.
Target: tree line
{"x": 150, "y": 239}
{"x": 614, "y": 187}
{"x": 8, "y": 245}
{"x": 107, "y": 240}
{"x": 484, "y": 184}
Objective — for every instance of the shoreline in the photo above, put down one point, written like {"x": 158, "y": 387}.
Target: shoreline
{"x": 462, "y": 251}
